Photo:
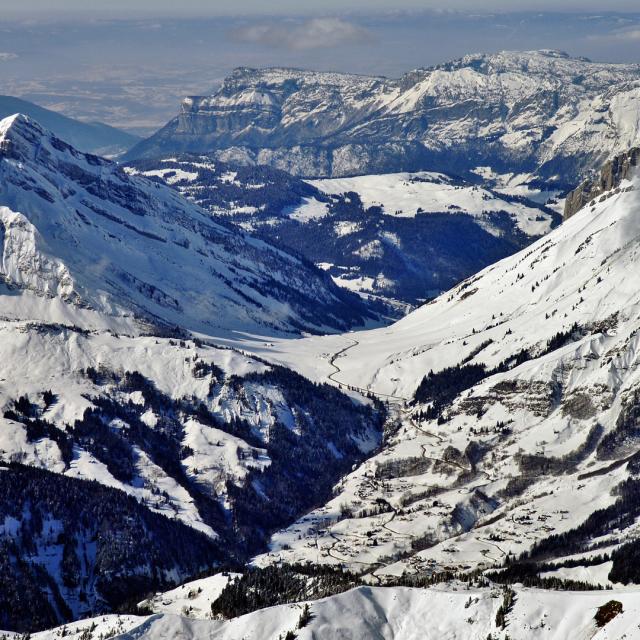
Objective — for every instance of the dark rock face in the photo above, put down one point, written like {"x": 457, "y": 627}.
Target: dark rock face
{"x": 620, "y": 168}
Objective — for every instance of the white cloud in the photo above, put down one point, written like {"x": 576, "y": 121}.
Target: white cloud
{"x": 315, "y": 33}
{"x": 632, "y": 34}
{"x": 620, "y": 35}
{"x": 4, "y": 57}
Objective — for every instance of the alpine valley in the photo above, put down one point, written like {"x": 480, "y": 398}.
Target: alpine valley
{"x": 323, "y": 357}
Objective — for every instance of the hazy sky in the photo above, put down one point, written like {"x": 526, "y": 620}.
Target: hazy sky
{"x": 234, "y": 7}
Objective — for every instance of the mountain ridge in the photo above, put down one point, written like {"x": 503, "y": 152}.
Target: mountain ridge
{"x": 533, "y": 112}
{"x": 69, "y": 199}
{"x": 90, "y": 137}
{"x": 613, "y": 173}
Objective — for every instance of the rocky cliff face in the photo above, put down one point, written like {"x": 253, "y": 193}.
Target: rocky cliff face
{"x": 613, "y": 173}
{"x": 540, "y": 112}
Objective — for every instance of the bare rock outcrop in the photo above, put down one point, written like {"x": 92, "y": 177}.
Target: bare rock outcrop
{"x": 612, "y": 174}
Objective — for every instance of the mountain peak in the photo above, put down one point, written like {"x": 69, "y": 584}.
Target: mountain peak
{"x": 18, "y": 124}
{"x": 19, "y": 136}
{"x": 22, "y": 138}
{"x": 89, "y": 137}
{"x": 7, "y": 123}
{"x": 16, "y": 127}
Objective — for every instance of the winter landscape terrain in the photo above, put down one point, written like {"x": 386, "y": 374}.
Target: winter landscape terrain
{"x": 328, "y": 356}
{"x": 542, "y": 113}
{"x": 397, "y": 238}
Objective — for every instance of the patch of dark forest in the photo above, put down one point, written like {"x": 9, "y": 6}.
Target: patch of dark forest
{"x": 306, "y": 462}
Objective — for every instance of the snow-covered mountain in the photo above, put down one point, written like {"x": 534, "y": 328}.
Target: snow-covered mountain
{"x": 398, "y": 237}
{"x": 537, "y": 112}
{"x": 78, "y": 229}
{"x": 516, "y": 399}
{"x": 490, "y": 436}
{"x": 195, "y": 453}
{"x": 614, "y": 172}
{"x": 458, "y": 613}
{"x": 90, "y": 137}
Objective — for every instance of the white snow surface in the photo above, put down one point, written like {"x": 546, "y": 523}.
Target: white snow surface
{"x": 407, "y": 194}
{"x": 579, "y": 273}
{"x": 192, "y": 599}
{"x": 454, "y": 613}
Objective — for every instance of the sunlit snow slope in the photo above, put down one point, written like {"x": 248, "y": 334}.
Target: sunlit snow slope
{"x": 526, "y": 426}
{"x": 76, "y": 228}
{"x": 399, "y": 614}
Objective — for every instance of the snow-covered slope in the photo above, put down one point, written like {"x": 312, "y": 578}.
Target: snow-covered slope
{"x": 102, "y": 277}
{"x": 402, "y": 614}
{"x": 540, "y": 111}
{"x": 192, "y": 599}
{"x": 408, "y": 194}
{"x": 512, "y": 425}
{"x": 527, "y": 426}
{"x": 400, "y": 237}
{"x": 208, "y": 438}
{"x": 77, "y": 228}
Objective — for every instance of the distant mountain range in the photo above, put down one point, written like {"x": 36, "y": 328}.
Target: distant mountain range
{"x": 90, "y": 137}
{"x": 541, "y": 113}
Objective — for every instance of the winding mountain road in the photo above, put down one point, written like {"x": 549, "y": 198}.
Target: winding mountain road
{"x": 406, "y": 414}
